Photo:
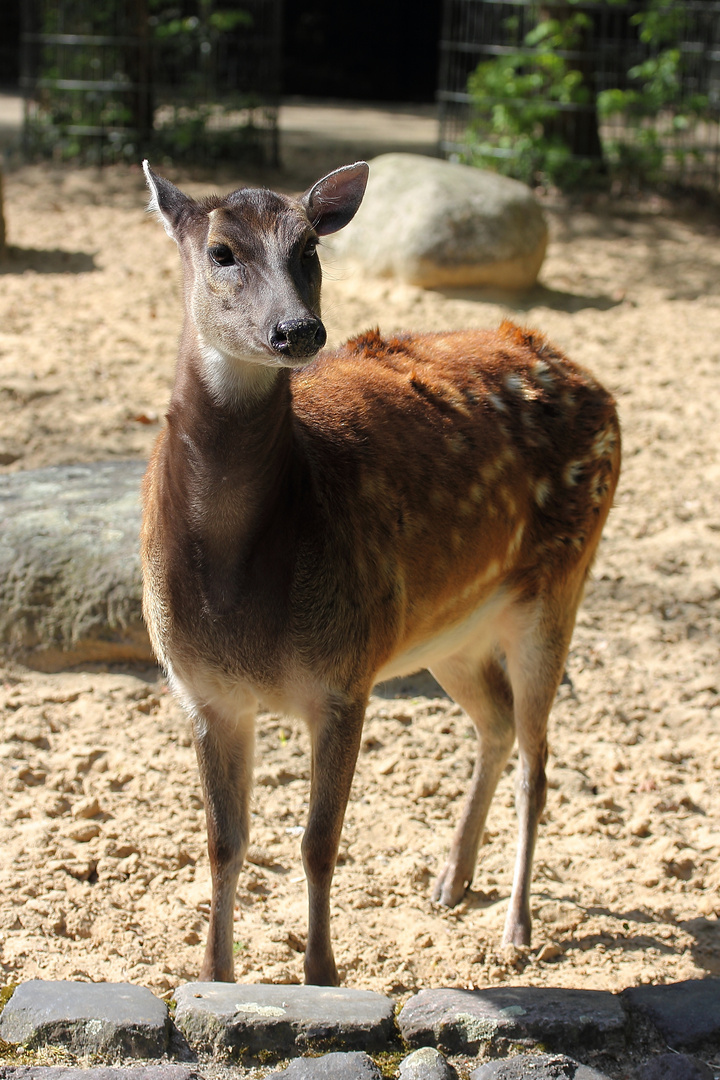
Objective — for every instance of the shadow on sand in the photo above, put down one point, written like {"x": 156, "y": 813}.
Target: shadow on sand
{"x": 538, "y": 296}
{"x": 422, "y": 684}
{"x": 17, "y": 260}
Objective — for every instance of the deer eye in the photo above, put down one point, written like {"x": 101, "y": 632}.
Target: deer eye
{"x": 221, "y": 255}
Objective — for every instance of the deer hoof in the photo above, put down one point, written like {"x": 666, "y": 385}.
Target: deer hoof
{"x": 321, "y": 974}
{"x": 449, "y": 888}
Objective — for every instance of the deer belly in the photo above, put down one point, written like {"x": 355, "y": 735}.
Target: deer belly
{"x": 477, "y": 634}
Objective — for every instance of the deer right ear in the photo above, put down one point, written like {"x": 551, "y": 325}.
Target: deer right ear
{"x": 333, "y": 201}
{"x": 167, "y": 202}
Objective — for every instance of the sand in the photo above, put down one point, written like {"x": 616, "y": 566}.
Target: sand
{"x": 104, "y": 873}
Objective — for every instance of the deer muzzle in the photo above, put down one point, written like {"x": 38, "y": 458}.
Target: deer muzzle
{"x": 298, "y": 338}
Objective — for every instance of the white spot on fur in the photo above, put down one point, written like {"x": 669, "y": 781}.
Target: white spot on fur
{"x": 604, "y": 442}
{"x": 509, "y": 501}
{"x": 543, "y": 488}
{"x": 572, "y": 471}
{"x": 599, "y": 489}
{"x": 491, "y": 571}
{"x": 457, "y": 443}
{"x": 542, "y": 374}
{"x": 515, "y": 541}
{"x": 516, "y": 384}
{"x": 491, "y": 470}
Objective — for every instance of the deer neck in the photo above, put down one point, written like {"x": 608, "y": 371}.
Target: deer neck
{"x": 232, "y": 417}
{"x": 233, "y": 468}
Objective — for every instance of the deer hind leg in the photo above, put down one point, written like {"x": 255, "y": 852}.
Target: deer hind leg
{"x": 224, "y": 750}
{"x": 535, "y": 652}
{"x": 482, "y": 689}
{"x": 335, "y": 745}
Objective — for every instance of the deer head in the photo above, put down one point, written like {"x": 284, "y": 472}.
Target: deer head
{"x": 252, "y": 273}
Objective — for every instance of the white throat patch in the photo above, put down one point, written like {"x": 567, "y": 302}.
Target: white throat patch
{"x": 233, "y": 382}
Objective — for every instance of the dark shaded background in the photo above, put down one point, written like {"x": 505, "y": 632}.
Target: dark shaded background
{"x": 371, "y": 50}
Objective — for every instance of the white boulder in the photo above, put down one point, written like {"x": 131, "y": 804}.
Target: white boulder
{"x": 436, "y": 224}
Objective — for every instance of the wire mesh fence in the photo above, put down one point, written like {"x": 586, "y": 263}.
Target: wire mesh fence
{"x": 110, "y": 80}
{"x": 565, "y": 91}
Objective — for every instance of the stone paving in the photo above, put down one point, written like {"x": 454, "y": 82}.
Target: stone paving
{"x": 462, "y": 1021}
{"x": 88, "y": 1018}
{"x": 219, "y": 1018}
{"x": 113, "y": 1031}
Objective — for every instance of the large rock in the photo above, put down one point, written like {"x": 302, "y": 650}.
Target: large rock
{"x": 434, "y": 224}
{"x": 70, "y": 585}
{"x": 112, "y": 1019}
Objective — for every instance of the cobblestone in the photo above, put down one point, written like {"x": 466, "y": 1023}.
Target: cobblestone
{"x": 473, "y": 1021}
{"x": 225, "y": 1031}
{"x": 87, "y": 1018}
{"x": 223, "y": 1018}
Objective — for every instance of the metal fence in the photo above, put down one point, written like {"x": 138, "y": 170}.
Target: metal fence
{"x": 110, "y": 80}
{"x": 642, "y": 106}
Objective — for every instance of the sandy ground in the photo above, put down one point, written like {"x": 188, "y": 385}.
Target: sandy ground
{"x": 104, "y": 873}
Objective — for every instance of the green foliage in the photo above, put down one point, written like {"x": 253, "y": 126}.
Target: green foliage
{"x": 226, "y": 132}
{"x": 515, "y": 106}
{"x": 654, "y": 106}
{"x": 6, "y": 992}
{"x": 266, "y": 1057}
{"x": 121, "y": 107}
{"x": 193, "y": 29}
{"x": 189, "y": 42}
{"x": 518, "y": 98}
{"x": 389, "y": 1062}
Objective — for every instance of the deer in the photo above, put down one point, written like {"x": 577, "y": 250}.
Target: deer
{"x": 316, "y": 521}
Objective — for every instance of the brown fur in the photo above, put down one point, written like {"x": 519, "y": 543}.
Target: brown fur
{"x": 426, "y": 498}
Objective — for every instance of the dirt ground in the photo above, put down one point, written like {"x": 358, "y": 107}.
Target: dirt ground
{"x": 104, "y": 873}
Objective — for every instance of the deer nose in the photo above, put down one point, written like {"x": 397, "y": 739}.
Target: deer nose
{"x": 298, "y": 337}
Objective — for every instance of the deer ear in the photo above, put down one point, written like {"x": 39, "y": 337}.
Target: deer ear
{"x": 167, "y": 202}
{"x": 333, "y": 201}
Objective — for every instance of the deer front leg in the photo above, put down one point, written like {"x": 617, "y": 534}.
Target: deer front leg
{"x": 335, "y": 745}
{"x": 225, "y": 758}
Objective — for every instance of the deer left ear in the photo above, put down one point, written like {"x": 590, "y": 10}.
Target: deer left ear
{"x": 333, "y": 201}
{"x": 168, "y": 202}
